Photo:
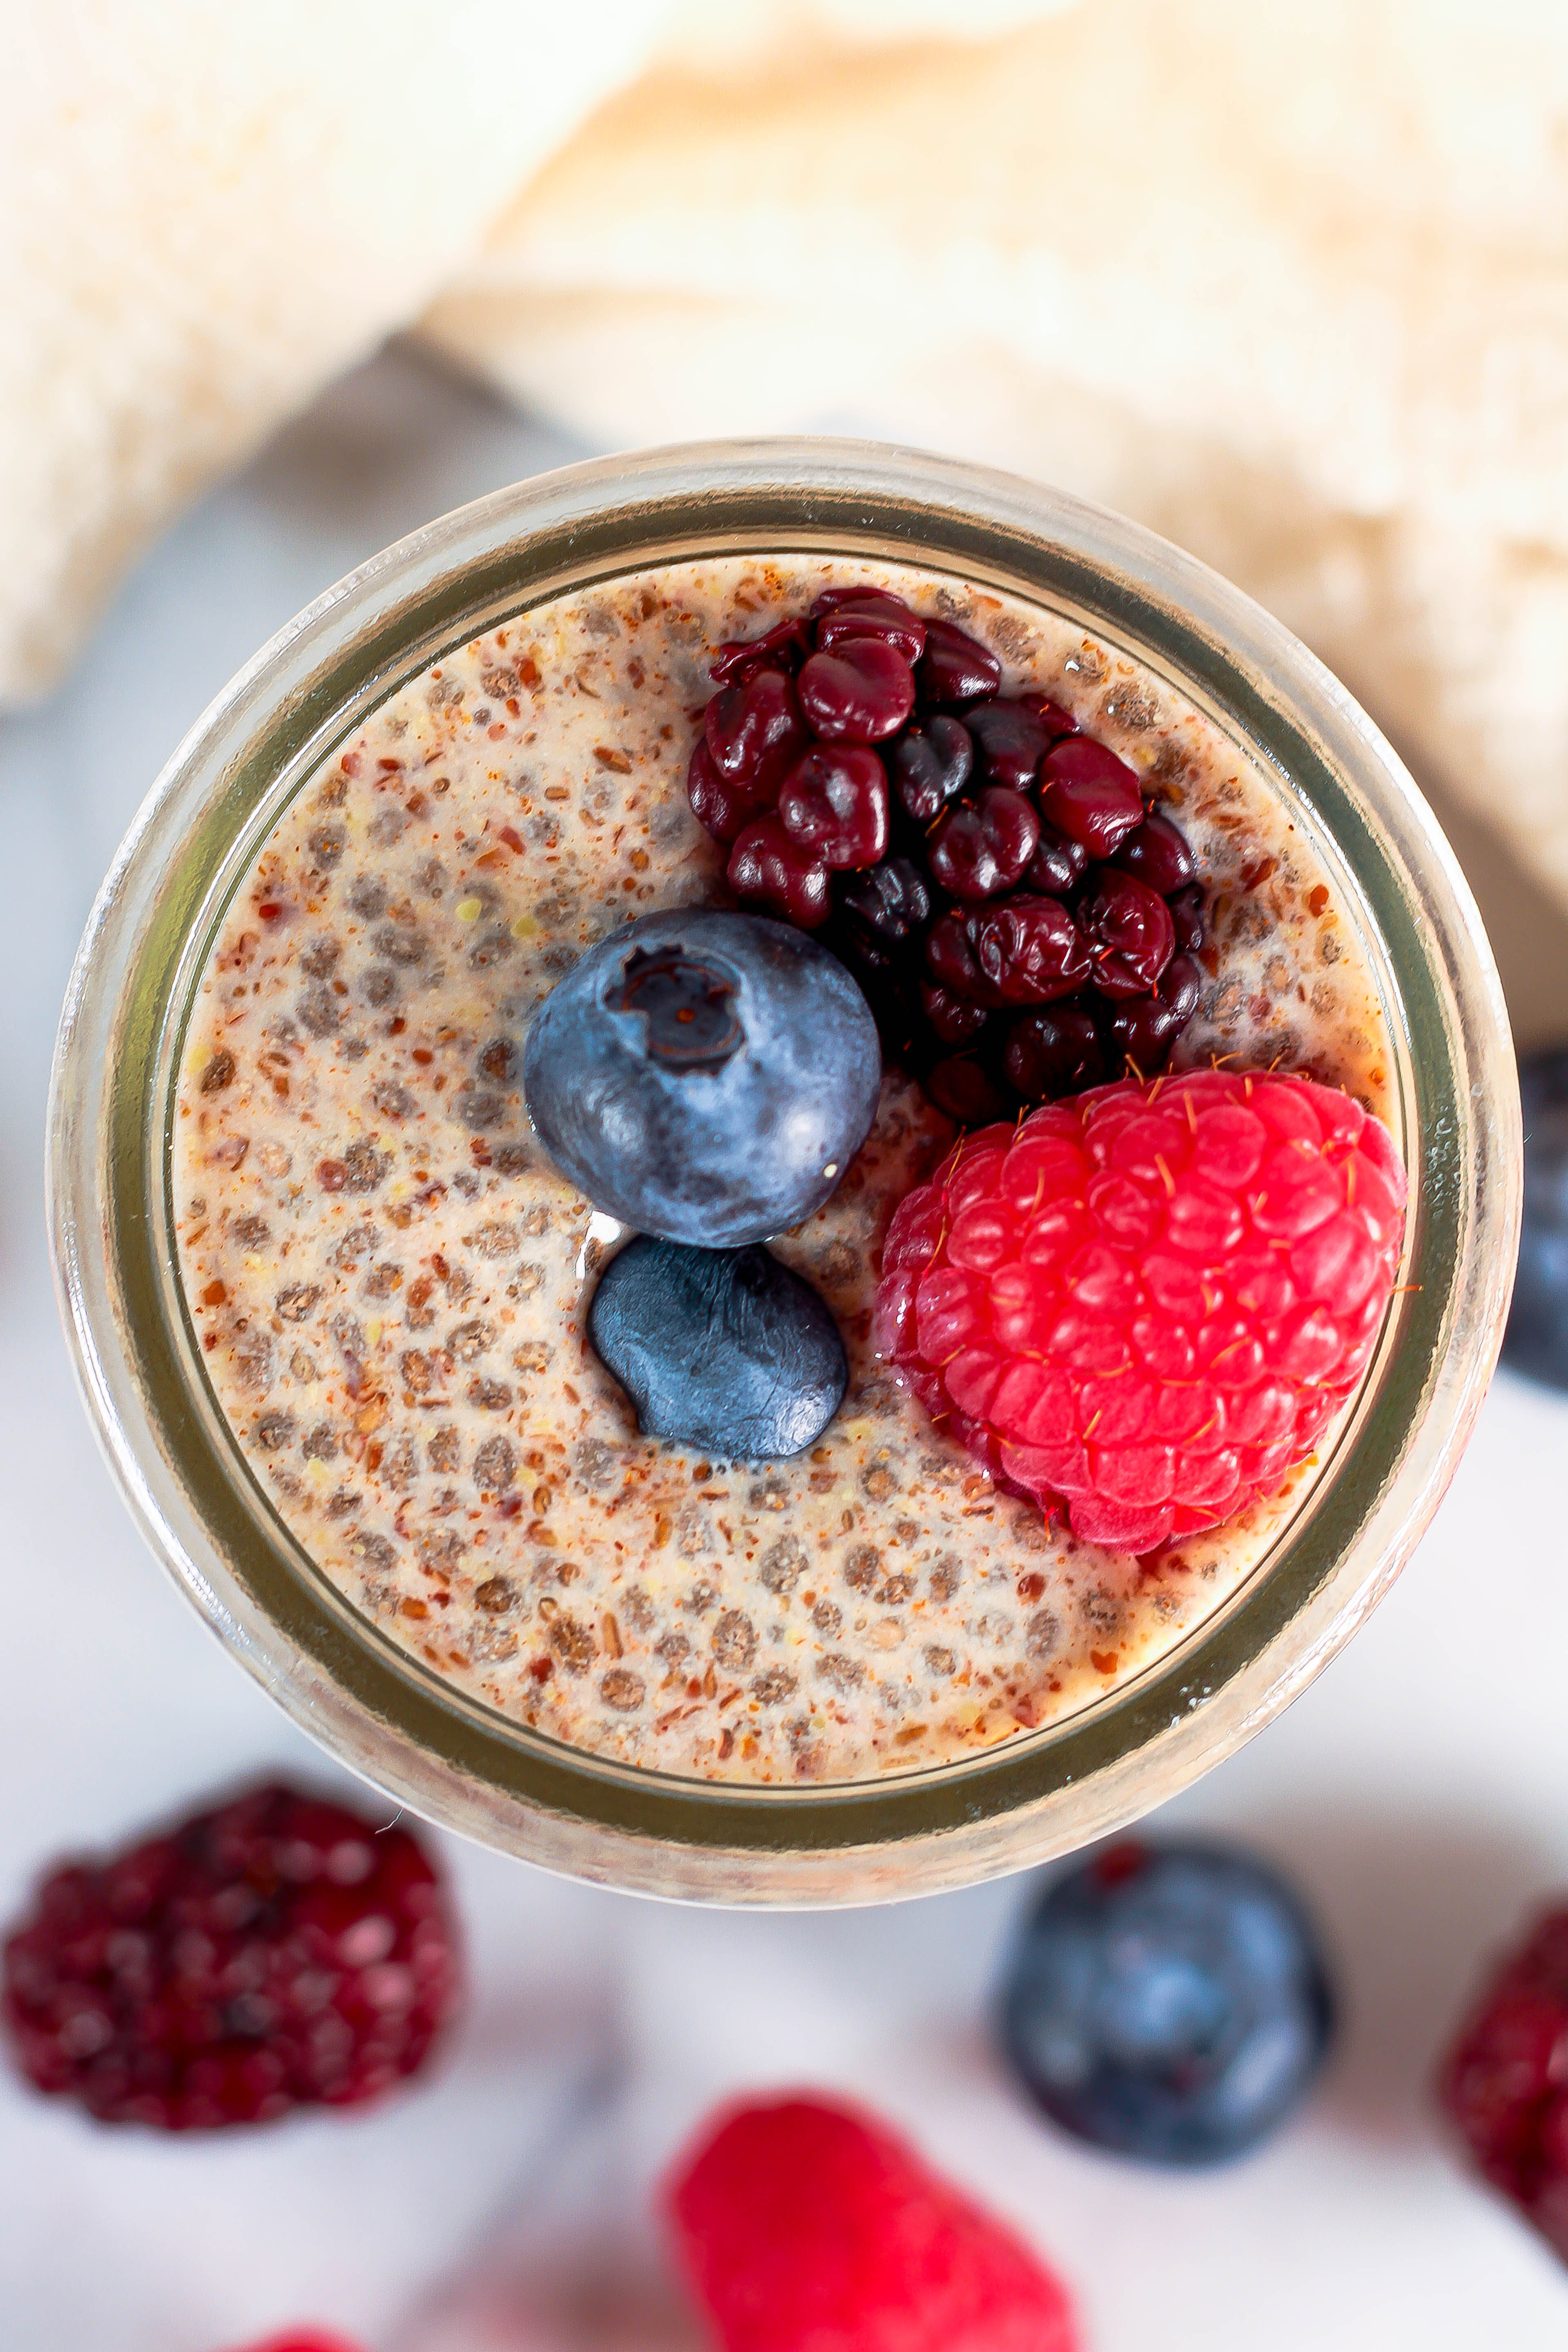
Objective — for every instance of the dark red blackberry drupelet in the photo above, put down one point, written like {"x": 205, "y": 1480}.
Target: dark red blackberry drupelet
{"x": 973, "y": 857}
{"x": 1505, "y": 2081}
{"x": 769, "y": 868}
{"x": 929, "y": 765}
{"x": 275, "y": 1953}
{"x": 955, "y": 671}
{"x": 1131, "y": 935}
{"x": 834, "y": 805}
{"x": 981, "y": 847}
{"x": 754, "y": 734}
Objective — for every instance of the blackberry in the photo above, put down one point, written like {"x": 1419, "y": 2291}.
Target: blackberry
{"x": 276, "y": 1952}
{"x": 1501, "y": 2081}
{"x": 1022, "y": 925}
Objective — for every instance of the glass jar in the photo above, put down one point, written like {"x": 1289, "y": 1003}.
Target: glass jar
{"x": 381, "y": 1710}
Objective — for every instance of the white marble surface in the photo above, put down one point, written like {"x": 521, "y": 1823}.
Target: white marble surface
{"x": 1415, "y": 1793}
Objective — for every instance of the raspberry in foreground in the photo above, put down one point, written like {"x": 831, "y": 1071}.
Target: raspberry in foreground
{"x": 1505, "y": 2081}
{"x": 1146, "y": 1303}
{"x": 806, "y": 2226}
{"x": 304, "y": 2339}
{"x": 277, "y": 1952}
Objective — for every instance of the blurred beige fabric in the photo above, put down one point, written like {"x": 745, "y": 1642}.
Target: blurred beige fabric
{"x": 1290, "y": 285}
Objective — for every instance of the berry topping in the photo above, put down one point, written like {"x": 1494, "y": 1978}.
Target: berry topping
{"x": 723, "y": 1350}
{"x": 304, "y": 2339}
{"x": 860, "y": 693}
{"x": 1029, "y": 951}
{"x": 1057, "y": 865}
{"x": 1142, "y": 1029}
{"x": 1503, "y": 2081}
{"x": 721, "y": 805}
{"x": 893, "y": 900}
{"x": 1130, "y": 932}
{"x": 754, "y": 733}
{"x": 964, "y": 1085}
{"x": 1010, "y": 741}
{"x": 1054, "y": 1052}
{"x": 950, "y": 959}
{"x": 767, "y": 863}
{"x": 784, "y": 647}
{"x": 1169, "y": 2003}
{"x": 810, "y": 2226}
{"x": 742, "y": 1136}
{"x": 956, "y": 670}
{"x": 930, "y": 765}
{"x": 1187, "y": 918}
{"x": 834, "y": 805}
{"x": 1158, "y": 854}
{"x": 1090, "y": 794}
{"x": 1146, "y": 1303}
{"x": 1537, "y": 1338}
{"x": 1054, "y": 716}
{"x": 868, "y": 614}
{"x": 279, "y": 1952}
{"x": 956, "y": 1019}
{"x": 981, "y": 846}
{"x": 1006, "y": 802}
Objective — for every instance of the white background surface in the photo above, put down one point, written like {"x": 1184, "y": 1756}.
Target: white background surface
{"x": 1419, "y": 1794}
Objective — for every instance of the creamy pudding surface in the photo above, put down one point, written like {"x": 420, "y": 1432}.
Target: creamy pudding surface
{"x": 388, "y": 1280}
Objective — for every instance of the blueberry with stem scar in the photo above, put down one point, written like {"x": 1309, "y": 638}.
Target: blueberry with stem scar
{"x": 704, "y": 1076}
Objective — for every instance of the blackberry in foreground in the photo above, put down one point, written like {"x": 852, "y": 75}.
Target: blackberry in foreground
{"x": 1536, "y": 1341}
{"x": 276, "y": 1952}
{"x": 969, "y": 855}
{"x": 1505, "y": 2081}
{"x": 1167, "y": 2003}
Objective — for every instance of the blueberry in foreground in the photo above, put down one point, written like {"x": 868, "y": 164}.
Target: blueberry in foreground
{"x": 1169, "y": 2003}
{"x": 704, "y": 1076}
{"x": 725, "y": 1351}
{"x": 1536, "y": 1341}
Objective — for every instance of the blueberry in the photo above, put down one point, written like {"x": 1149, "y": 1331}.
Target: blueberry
{"x": 1537, "y": 1339}
{"x": 725, "y": 1351}
{"x": 1167, "y": 2003}
{"x": 705, "y": 1077}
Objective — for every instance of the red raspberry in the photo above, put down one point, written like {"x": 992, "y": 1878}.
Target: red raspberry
{"x": 806, "y": 2227}
{"x": 304, "y": 2339}
{"x": 1505, "y": 2081}
{"x": 279, "y": 1952}
{"x": 1147, "y": 1302}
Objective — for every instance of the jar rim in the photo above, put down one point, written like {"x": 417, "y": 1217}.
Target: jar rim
{"x": 403, "y": 1726}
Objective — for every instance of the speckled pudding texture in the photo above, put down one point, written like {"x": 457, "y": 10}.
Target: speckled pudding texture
{"x": 388, "y": 1280}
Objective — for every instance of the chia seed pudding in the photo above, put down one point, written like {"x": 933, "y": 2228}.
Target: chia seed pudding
{"x": 389, "y": 1280}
